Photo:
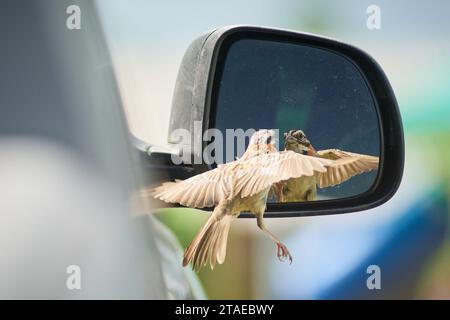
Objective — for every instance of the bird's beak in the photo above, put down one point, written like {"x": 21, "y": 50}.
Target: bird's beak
{"x": 311, "y": 151}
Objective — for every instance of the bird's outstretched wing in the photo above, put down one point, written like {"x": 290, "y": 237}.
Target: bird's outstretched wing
{"x": 261, "y": 172}
{"x": 345, "y": 165}
{"x": 202, "y": 190}
{"x": 242, "y": 177}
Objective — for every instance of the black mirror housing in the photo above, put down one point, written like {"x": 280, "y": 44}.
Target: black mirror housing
{"x": 198, "y": 84}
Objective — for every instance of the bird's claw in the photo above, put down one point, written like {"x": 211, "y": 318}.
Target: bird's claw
{"x": 283, "y": 253}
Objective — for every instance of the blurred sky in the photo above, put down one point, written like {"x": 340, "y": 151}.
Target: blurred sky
{"x": 148, "y": 40}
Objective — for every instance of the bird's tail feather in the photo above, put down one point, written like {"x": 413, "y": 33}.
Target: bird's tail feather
{"x": 210, "y": 244}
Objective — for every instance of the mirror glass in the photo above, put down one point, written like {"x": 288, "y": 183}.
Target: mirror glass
{"x": 313, "y": 95}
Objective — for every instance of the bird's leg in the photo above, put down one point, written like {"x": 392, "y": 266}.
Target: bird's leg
{"x": 282, "y": 251}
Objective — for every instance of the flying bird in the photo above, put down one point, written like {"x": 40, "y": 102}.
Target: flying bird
{"x": 345, "y": 165}
{"x": 241, "y": 185}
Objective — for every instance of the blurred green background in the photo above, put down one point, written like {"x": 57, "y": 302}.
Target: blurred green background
{"x": 407, "y": 237}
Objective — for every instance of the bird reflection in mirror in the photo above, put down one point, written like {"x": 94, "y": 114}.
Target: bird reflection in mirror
{"x": 344, "y": 166}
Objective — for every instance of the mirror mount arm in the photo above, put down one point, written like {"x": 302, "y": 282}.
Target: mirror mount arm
{"x": 155, "y": 150}
{"x": 157, "y": 162}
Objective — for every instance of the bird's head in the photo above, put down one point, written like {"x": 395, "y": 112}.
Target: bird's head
{"x": 262, "y": 141}
{"x": 297, "y": 141}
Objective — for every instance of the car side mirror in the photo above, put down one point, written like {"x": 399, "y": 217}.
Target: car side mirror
{"x": 324, "y": 98}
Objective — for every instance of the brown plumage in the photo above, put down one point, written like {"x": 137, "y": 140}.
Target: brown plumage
{"x": 241, "y": 185}
{"x": 210, "y": 244}
{"x": 344, "y": 166}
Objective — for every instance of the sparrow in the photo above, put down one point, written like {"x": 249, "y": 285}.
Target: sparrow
{"x": 234, "y": 187}
{"x": 345, "y": 165}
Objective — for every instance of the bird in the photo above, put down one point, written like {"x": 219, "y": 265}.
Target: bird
{"x": 234, "y": 187}
{"x": 345, "y": 165}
